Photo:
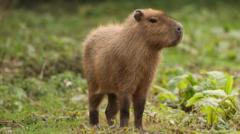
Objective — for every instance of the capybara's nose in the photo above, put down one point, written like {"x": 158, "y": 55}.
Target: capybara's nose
{"x": 179, "y": 29}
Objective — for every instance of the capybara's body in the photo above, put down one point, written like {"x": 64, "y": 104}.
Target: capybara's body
{"x": 120, "y": 61}
{"x": 115, "y": 65}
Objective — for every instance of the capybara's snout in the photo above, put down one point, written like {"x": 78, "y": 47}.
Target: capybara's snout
{"x": 179, "y": 29}
{"x": 178, "y": 33}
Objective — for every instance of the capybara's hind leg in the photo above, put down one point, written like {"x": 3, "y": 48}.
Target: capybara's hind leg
{"x": 94, "y": 101}
{"x": 112, "y": 108}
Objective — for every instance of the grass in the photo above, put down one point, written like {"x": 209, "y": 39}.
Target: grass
{"x": 41, "y": 86}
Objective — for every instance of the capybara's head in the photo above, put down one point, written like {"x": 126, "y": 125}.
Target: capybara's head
{"x": 157, "y": 28}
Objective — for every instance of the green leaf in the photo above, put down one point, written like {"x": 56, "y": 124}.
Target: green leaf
{"x": 196, "y": 98}
{"x": 229, "y": 84}
{"x": 183, "y": 84}
{"x": 178, "y": 81}
{"x": 210, "y": 101}
{"x": 216, "y": 75}
{"x": 218, "y": 79}
{"x": 215, "y": 93}
{"x": 210, "y": 112}
{"x": 167, "y": 96}
{"x": 164, "y": 94}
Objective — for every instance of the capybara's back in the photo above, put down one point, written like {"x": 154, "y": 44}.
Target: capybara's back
{"x": 120, "y": 61}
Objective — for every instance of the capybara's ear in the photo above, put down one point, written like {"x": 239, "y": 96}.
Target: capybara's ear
{"x": 138, "y": 14}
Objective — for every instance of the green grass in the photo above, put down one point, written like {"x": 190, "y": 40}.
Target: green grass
{"x": 41, "y": 86}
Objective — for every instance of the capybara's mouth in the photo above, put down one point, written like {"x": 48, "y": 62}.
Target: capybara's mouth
{"x": 176, "y": 41}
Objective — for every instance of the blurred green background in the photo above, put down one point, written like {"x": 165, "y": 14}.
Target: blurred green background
{"x": 41, "y": 84}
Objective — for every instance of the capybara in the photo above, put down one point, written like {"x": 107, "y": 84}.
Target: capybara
{"x": 120, "y": 60}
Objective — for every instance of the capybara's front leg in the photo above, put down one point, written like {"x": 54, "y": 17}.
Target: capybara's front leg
{"x": 139, "y": 100}
{"x": 124, "y": 104}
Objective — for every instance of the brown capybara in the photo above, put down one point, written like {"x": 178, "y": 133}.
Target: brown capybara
{"x": 120, "y": 61}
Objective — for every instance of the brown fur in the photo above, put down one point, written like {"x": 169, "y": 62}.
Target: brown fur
{"x": 120, "y": 61}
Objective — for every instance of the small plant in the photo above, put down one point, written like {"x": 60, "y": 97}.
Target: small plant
{"x": 211, "y": 93}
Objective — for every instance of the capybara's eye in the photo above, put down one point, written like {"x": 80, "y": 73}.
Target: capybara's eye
{"x": 152, "y": 20}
